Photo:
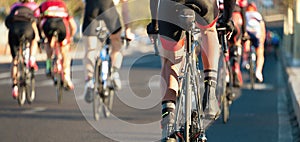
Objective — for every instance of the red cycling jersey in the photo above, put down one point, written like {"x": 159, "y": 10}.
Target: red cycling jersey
{"x": 56, "y": 9}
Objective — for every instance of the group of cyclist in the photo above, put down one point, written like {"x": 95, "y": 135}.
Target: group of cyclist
{"x": 240, "y": 18}
{"x": 32, "y": 21}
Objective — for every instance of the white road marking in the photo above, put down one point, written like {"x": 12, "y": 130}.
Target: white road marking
{"x": 34, "y": 110}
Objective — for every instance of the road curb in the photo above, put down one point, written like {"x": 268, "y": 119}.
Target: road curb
{"x": 291, "y": 73}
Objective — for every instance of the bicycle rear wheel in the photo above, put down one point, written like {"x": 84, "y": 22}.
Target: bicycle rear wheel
{"x": 108, "y": 102}
{"x": 98, "y": 88}
{"x": 21, "y": 81}
{"x": 251, "y": 71}
{"x": 97, "y": 106}
{"x": 30, "y": 86}
{"x": 59, "y": 88}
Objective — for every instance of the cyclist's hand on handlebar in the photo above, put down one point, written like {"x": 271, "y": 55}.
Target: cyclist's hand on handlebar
{"x": 245, "y": 36}
{"x": 228, "y": 25}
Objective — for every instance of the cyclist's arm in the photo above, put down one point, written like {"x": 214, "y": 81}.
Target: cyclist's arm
{"x": 153, "y": 9}
{"x": 228, "y": 9}
{"x": 73, "y": 26}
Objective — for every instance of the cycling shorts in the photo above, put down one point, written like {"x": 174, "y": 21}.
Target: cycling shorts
{"x": 61, "y": 25}
{"x": 17, "y": 30}
{"x": 254, "y": 40}
{"x": 172, "y": 36}
{"x": 96, "y": 10}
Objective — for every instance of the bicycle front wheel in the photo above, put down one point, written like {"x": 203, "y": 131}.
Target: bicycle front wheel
{"x": 108, "y": 101}
{"x": 98, "y": 87}
{"x": 59, "y": 88}
{"x": 30, "y": 87}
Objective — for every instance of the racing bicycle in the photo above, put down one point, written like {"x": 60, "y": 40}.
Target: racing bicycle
{"x": 25, "y": 74}
{"x": 104, "y": 89}
{"x": 57, "y": 73}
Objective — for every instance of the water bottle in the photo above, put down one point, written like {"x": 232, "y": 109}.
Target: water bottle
{"x": 26, "y": 54}
{"x": 104, "y": 56}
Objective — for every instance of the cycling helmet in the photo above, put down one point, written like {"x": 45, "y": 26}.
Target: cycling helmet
{"x": 251, "y": 7}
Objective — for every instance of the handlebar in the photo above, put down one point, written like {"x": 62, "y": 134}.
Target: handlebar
{"x": 223, "y": 38}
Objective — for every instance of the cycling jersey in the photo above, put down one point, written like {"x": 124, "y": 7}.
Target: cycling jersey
{"x": 54, "y": 8}
{"x": 253, "y": 23}
{"x": 19, "y": 23}
{"x": 55, "y": 16}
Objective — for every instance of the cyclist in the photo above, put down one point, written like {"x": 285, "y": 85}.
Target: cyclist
{"x": 257, "y": 33}
{"x": 96, "y": 10}
{"x": 22, "y": 21}
{"x": 235, "y": 42}
{"x": 55, "y": 16}
{"x": 172, "y": 40}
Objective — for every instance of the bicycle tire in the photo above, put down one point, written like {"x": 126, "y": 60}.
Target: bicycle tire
{"x": 97, "y": 99}
{"x": 96, "y": 106}
{"x": 252, "y": 72}
{"x": 21, "y": 83}
{"x": 30, "y": 87}
{"x": 59, "y": 89}
{"x": 226, "y": 111}
{"x": 225, "y": 88}
{"x": 22, "y": 96}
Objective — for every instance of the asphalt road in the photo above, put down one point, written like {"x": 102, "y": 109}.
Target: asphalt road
{"x": 256, "y": 115}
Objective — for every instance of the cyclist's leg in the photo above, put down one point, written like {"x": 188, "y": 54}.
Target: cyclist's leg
{"x": 116, "y": 57}
{"x": 46, "y": 26}
{"x": 65, "y": 49}
{"x": 109, "y": 14}
{"x": 260, "y": 61}
{"x": 64, "y": 39}
{"x": 172, "y": 54}
{"x": 91, "y": 45}
{"x": 210, "y": 55}
{"x": 236, "y": 49}
{"x": 125, "y": 16}
{"x": 13, "y": 44}
{"x": 33, "y": 38}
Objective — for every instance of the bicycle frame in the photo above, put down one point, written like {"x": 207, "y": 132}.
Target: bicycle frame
{"x": 189, "y": 93}
{"x": 104, "y": 89}
{"x": 190, "y": 86}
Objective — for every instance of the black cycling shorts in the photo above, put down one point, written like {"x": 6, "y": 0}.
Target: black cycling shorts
{"x": 169, "y": 19}
{"x": 17, "y": 30}
{"x": 55, "y": 24}
{"x": 96, "y": 10}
